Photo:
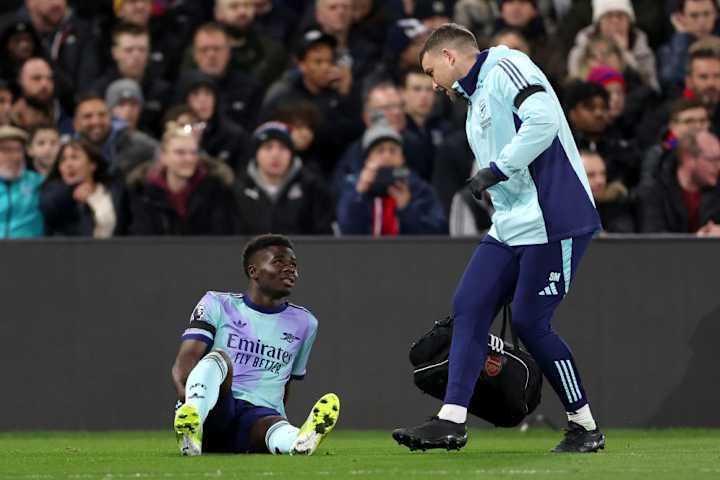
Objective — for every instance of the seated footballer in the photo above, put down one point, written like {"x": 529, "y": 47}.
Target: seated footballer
{"x": 237, "y": 358}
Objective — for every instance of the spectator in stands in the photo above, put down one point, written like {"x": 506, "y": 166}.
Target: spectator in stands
{"x": 20, "y": 214}
{"x": 125, "y": 100}
{"x": 511, "y": 38}
{"x": 6, "y": 102}
{"x": 68, "y": 42}
{"x": 693, "y": 20}
{"x": 36, "y": 82}
{"x": 43, "y": 147}
{"x": 356, "y": 53}
{"x": 612, "y": 200}
{"x": 586, "y": 106}
{"x": 79, "y": 198}
{"x": 432, "y": 13}
{"x": 253, "y": 52}
{"x": 26, "y": 115}
{"x": 240, "y": 94}
{"x": 687, "y": 116}
{"x": 524, "y": 16}
{"x": 221, "y": 137}
{"x": 18, "y": 43}
{"x": 626, "y": 108}
{"x": 602, "y": 51}
{"x": 371, "y": 20}
{"x": 381, "y": 200}
{"x": 480, "y": 15}
{"x": 615, "y": 19}
{"x": 418, "y": 99}
{"x": 166, "y": 51}
{"x": 276, "y": 20}
{"x": 302, "y": 117}
{"x": 317, "y": 82}
{"x": 277, "y": 193}
{"x": 405, "y": 38}
{"x": 181, "y": 195}
{"x": 136, "y": 12}
{"x": 469, "y": 217}
{"x": 185, "y": 117}
{"x": 685, "y": 199}
{"x": 477, "y": 15}
{"x": 383, "y": 100}
{"x": 122, "y": 148}
{"x": 614, "y": 83}
{"x": 702, "y": 81}
{"x": 131, "y": 54}
{"x": 454, "y": 165}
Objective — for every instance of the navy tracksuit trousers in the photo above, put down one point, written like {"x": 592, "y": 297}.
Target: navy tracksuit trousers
{"x": 536, "y": 278}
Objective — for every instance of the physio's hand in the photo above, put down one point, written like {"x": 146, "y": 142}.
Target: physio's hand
{"x": 483, "y": 179}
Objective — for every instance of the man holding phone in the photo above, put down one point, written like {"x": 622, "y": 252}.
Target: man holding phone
{"x": 386, "y": 198}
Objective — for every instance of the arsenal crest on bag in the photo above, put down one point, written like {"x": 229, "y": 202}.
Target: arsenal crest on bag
{"x": 509, "y": 386}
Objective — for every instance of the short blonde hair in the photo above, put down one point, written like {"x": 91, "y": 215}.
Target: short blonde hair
{"x": 175, "y": 130}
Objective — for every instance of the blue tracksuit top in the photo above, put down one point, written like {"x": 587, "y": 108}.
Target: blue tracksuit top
{"x": 545, "y": 195}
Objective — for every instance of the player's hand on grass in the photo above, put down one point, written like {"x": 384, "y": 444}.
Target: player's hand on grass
{"x": 400, "y": 191}
{"x": 483, "y": 179}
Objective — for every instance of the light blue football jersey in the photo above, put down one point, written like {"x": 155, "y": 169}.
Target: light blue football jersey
{"x": 545, "y": 194}
{"x": 267, "y": 347}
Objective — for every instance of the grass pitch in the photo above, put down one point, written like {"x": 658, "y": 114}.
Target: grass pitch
{"x": 632, "y": 454}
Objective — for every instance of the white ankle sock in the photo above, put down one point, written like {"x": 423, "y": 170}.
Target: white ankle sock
{"x": 453, "y": 413}
{"x": 280, "y": 437}
{"x": 583, "y": 417}
{"x": 202, "y": 388}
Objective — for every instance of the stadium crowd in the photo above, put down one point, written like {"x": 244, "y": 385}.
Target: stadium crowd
{"x": 185, "y": 117}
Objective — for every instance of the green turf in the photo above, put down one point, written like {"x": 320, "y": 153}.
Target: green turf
{"x": 656, "y": 454}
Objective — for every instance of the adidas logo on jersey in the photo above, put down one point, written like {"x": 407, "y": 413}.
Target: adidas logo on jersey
{"x": 551, "y": 289}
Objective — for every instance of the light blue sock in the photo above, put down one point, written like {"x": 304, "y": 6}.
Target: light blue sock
{"x": 280, "y": 437}
{"x": 202, "y": 388}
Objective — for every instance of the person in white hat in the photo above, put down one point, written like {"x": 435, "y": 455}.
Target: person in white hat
{"x": 615, "y": 19}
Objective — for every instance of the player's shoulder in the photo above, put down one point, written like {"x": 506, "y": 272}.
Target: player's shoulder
{"x": 220, "y": 296}
{"x": 304, "y": 311}
{"x": 508, "y": 64}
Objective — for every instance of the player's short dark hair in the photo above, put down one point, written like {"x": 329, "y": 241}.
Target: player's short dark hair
{"x": 682, "y": 104}
{"x": 262, "y": 242}
{"x": 449, "y": 34}
{"x": 578, "y": 92}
